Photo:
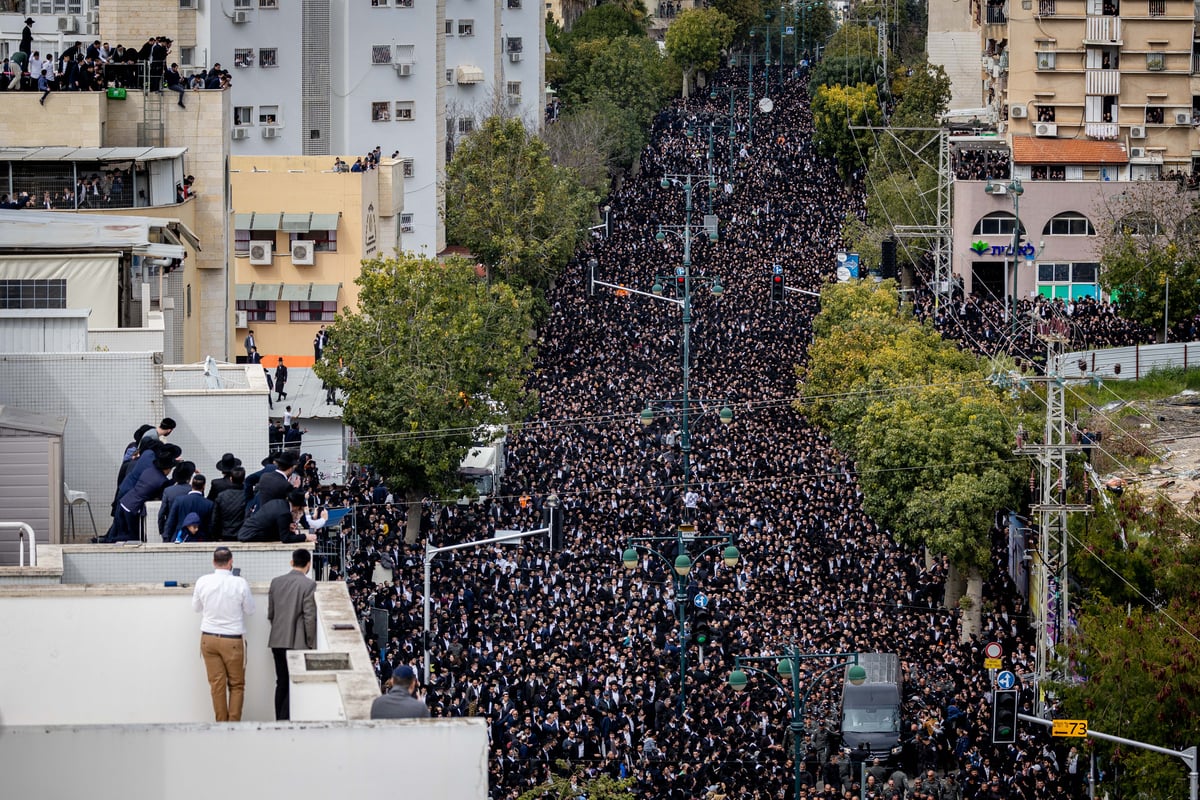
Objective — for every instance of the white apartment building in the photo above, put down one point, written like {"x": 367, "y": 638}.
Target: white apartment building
{"x": 316, "y": 77}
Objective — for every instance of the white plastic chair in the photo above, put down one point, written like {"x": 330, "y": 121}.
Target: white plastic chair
{"x": 71, "y": 499}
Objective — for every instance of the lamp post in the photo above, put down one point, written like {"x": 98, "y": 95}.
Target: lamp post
{"x": 1015, "y": 189}
{"x": 504, "y": 537}
{"x": 787, "y": 665}
{"x": 732, "y": 92}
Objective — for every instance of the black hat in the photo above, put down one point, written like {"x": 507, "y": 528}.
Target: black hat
{"x": 286, "y": 459}
{"x": 165, "y": 450}
{"x": 268, "y": 461}
{"x": 228, "y": 462}
{"x": 29, "y": 20}
{"x": 164, "y": 461}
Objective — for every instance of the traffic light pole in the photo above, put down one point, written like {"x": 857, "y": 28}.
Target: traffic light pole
{"x": 1187, "y": 756}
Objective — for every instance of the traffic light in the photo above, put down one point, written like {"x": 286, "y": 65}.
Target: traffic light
{"x": 680, "y": 285}
{"x": 1004, "y": 716}
{"x": 887, "y": 260}
{"x": 777, "y": 288}
{"x": 702, "y": 632}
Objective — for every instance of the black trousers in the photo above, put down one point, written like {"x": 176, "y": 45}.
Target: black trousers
{"x": 282, "y": 685}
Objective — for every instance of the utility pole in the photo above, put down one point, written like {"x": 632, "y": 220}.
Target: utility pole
{"x": 1053, "y": 603}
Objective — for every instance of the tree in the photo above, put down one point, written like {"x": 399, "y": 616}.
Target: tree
{"x": 835, "y": 110}
{"x": 631, "y": 73}
{"x": 845, "y": 70}
{"x": 517, "y": 212}
{"x": 1148, "y": 236}
{"x": 607, "y": 21}
{"x": 431, "y": 354}
{"x": 695, "y": 41}
{"x": 572, "y": 785}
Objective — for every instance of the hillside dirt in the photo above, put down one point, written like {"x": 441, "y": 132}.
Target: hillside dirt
{"x": 1156, "y": 444}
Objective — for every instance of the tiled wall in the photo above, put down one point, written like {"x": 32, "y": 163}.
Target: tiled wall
{"x": 158, "y": 563}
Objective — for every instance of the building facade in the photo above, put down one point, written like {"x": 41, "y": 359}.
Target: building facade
{"x": 301, "y": 232}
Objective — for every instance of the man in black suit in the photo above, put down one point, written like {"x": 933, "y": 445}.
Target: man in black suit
{"x": 276, "y": 485}
{"x": 280, "y": 381}
{"x": 277, "y": 521}
{"x": 250, "y": 345}
{"x": 292, "y": 612}
{"x": 194, "y": 502}
{"x": 225, "y": 466}
{"x": 251, "y": 483}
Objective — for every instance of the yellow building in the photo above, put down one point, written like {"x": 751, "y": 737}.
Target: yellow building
{"x": 301, "y": 231}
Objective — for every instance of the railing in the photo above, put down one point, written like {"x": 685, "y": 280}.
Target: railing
{"x": 1102, "y": 130}
{"x": 1196, "y": 63}
{"x": 1158, "y": 8}
{"x": 1102, "y": 81}
{"x": 1046, "y": 8}
{"x": 996, "y": 15}
{"x": 26, "y": 531}
{"x": 1105, "y": 30}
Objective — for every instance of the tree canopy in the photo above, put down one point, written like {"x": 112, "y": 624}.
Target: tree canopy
{"x": 432, "y": 353}
{"x": 695, "y": 41}
{"x": 511, "y": 207}
{"x": 835, "y": 110}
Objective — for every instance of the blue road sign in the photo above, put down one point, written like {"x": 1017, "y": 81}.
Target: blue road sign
{"x": 777, "y": 269}
{"x": 701, "y": 601}
{"x": 1006, "y": 680}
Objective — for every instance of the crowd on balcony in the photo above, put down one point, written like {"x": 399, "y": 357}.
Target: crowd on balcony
{"x": 980, "y": 163}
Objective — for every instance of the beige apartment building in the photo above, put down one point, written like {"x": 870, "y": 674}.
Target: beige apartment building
{"x": 301, "y": 232}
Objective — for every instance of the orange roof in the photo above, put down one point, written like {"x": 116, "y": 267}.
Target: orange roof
{"x": 1038, "y": 150}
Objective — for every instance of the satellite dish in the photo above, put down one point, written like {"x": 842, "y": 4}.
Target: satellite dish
{"x": 766, "y": 105}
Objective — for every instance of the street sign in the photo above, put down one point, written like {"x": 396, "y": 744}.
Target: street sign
{"x": 777, "y": 269}
{"x": 789, "y": 31}
{"x": 701, "y": 601}
{"x": 1006, "y": 680}
{"x": 992, "y": 663}
{"x": 1069, "y": 727}
{"x": 993, "y": 650}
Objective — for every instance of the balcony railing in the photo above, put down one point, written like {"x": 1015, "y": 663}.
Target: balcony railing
{"x": 1103, "y": 30}
{"x": 1103, "y": 81}
{"x": 1046, "y": 8}
{"x": 996, "y": 15}
{"x": 1158, "y": 8}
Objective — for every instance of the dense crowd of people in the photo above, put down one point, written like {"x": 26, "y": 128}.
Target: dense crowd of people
{"x": 571, "y": 657}
{"x": 979, "y": 324}
{"x": 979, "y": 163}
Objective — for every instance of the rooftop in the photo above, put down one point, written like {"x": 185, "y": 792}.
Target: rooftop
{"x": 1037, "y": 150}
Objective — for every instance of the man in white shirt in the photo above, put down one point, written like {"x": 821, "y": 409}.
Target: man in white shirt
{"x": 224, "y": 600}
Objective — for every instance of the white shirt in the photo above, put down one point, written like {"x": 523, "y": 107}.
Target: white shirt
{"x": 223, "y": 600}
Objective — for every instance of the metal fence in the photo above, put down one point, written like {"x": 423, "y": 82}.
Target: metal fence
{"x": 1130, "y": 363}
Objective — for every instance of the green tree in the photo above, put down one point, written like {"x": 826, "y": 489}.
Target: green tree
{"x": 1148, "y": 237}
{"x": 511, "y": 207}
{"x": 835, "y": 110}
{"x": 852, "y": 40}
{"x": 844, "y": 70}
{"x": 571, "y": 785}
{"x": 432, "y": 353}
{"x": 607, "y": 21}
{"x": 695, "y": 41}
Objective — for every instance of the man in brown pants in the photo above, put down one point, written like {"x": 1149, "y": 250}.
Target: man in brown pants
{"x": 223, "y": 600}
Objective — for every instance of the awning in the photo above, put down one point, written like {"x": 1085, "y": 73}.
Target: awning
{"x": 296, "y": 223}
{"x": 265, "y": 291}
{"x": 294, "y": 292}
{"x": 90, "y": 153}
{"x": 242, "y": 291}
{"x": 241, "y": 222}
{"x": 470, "y": 74}
{"x": 265, "y": 222}
{"x": 324, "y": 222}
{"x": 156, "y": 250}
{"x": 1031, "y": 150}
{"x": 324, "y": 292}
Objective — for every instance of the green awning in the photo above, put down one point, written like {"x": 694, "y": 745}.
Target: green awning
{"x": 324, "y": 292}
{"x": 295, "y": 292}
{"x": 296, "y": 223}
{"x": 243, "y": 291}
{"x": 324, "y": 222}
{"x": 265, "y": 222}
{"x": 265, "y": 291}
{"x": 241, "y": 222}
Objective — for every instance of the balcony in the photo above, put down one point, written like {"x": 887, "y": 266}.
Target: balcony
{"x": 996, "y": 14}
{"x": 1103, "y": 31}
{"x": 1102, "y": 130}
{"x": 1102, "y": 81}
{"x": 1046, "y": 8}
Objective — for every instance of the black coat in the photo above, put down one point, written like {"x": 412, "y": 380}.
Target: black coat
{"x": 229, "y": 513}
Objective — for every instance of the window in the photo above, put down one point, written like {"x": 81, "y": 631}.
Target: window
{"x": 187, "y": 56}
{"x": 268, "y": 3}
{"x": 33, "y": 294}
{"x": 311, "y": 311}
{"x": 1045, "y": 60}
{"x": 1137, "y": 224}
{"x": 1154, "y": 115}
{"x": 406, "y": 223}
{"x": 1158, "y": 8}
{"x": 268, "y": 115}
{"x": 241, "y": 243}
{"x": 188, "y": 300}
{"x": 1046, "y": 113}
{"x": 55, "y": 7}
{"x": 381, "y": 54}
{"x": 449, "y": 77}
{"x": 404, "y": 3}
{"x": 466, "y": 125}
{"x": 323, "y": 241}
{"x": 449, "y": 27}
{"x": 267, "y": 57}
{"x": 381, "y": 112}
{"x": 408, "y": 168}
{"x": 257, "y": 310}
{"x": 1155, "y": 62}
{"x": 514, "y": 4}
{"x": 1069, "y": 223}
{"x": 1069, "y": 281}
{"x": 379, "y": 3}
{"x": 1046, "y": 8}
{"x": 513, "y": 89}
{"x": 241, "y": 3}
{"x": 243, "y": 57}
{"x": 515, "y": 44}
{"x": 404, "y": 110}
{"x": 243, "y": 115}
{"x": 998, "y": 223}
{"x": 466, "y": 27}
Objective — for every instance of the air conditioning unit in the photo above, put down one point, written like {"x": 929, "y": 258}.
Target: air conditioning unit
{"x": 999, "y": 188}
{"x": 241, "y": 17}
{"x": 270, "y": 133}
{"x": 1137, "y": 152}
{"x": 68, "y": 25}
{"x": 1183, "y": 118}
{"x": 189, "y": 4}
{"x": 93, "y": 18}
{"x": 403, "y": 70}
{"x": 1046, "y": 129}
{"x": 1018, "y": 112}
{"x": 260, "y": 253}
{"x": 514, "y": 57}
{"x": 239, "y": 319}
{"x": 240, "y": 133}
{"x": 302, "y": 252}
{"x": 514, "y": 99}
{"x": 1137, "y": 132}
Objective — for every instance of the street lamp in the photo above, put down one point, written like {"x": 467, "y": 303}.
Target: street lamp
{"x": 1015, "y": 189}
{"x": 431, "y": 552}
{"x": 787, "y": 665}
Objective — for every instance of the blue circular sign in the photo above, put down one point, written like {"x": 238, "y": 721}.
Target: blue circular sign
{"x": 701, "y": 601}
{"x": 1006, "y": 680}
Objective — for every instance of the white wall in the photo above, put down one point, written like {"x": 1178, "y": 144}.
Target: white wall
{"x": 396, "y": 758}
